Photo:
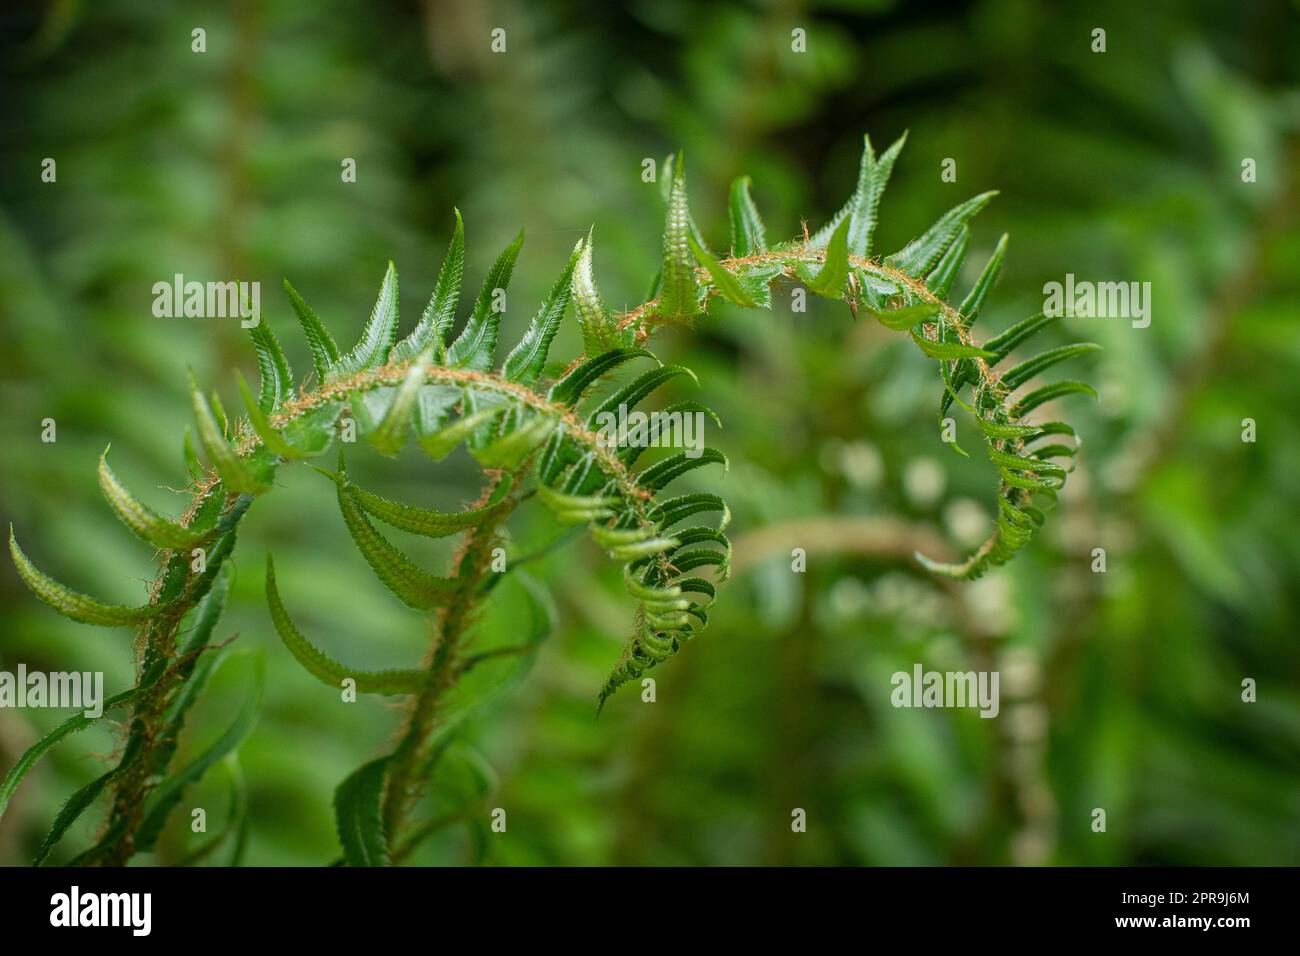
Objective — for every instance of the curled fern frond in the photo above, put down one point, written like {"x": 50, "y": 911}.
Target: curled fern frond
{"x": 533, "y": 434}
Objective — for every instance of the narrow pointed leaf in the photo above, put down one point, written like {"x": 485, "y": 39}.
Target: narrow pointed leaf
{"x": 380, "y": 332}
{"x": 438, "y": 445}
{"x": 510, "y": 449}
{"x": 234, "y": 473}
{"x": 162, "y": 533}
{"x": 747, "y": 234}
{"x": 726, "y": 283}
{"x": 920, "y": 255}
{"x": 594, "y": 320}
{"x": 323, "y": 667}
{"x": 413, "y": 587}
{"x": 667, "y": 513}
{"x": 358, "y": 817}
{"x": 71, "y": 603}
{"x": 168, "y": 794}
{"x": 900, "y": 320}
{"x": 974, "y": 301}
{"x": 637, "y": 389}
{"x": 949, "y": 350}
{"x": 1004, "y": 342}
{"x": 390, "y": 435}
{"x": 1049, "y": 392}
{"x": 834, "y": 272}
{"x": 72, "y": 725}
{"x": 1017, "y": 376}
{"x": 428, "y": 522}
{"x": 1003, "y": 430}
{"x": 662, "y": 472}
{"x": 271, "y": 438}
{"x": 477, "y": 342}
{"x": 863, "y": 206}
{"x": 524, "y": 364}
{"x": 276, "y": 376}
{"x": 440, "y": 313}
{"x": 70, "y": 812}
{"x": 679, "y": 290}
{"x": 324, "y": 353}
{"x": 570, "y": 389}
{"x": 944, "y": 274}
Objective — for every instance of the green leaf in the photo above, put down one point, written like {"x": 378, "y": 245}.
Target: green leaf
{"x": 1051, "y": 428}
{"x": 390, "y": 435}
{"x": 323, "y": 667}
{"x": 271, "y": 438}
{"x": 570, "y": 389}
{"x": 428, "y": 522}
{"x": 162, "y": 533}
{"x": 834, "y": 272}
{"x": 1047, "y": 393}
{"x": 679, "y": 290}
{"x": 641, "y": 386}
{"x": 440, "y": 313}
{"x": 510, "y": 449}
{"x": 1021, "y": 463}
{"x": 1026, "y": 482}
{"x": 949, "y": 350}
{"x": 1017, "y": 376}
{"x": 524, "y": 364}
{"x": 192, "y": 464}
{"x": 577, "y": 509}
{"x": 668, "y": 469}
{"x": 1003, "y": 343}
{"x": 70, "y": 812}
{"x": 908, "y": 317}
{"x": 747, "y": 234}
{"x": 72, "y": 604}
{"x": 920, "y": 255}
{"x": 669, "y": 512}
{"x": 942, "y": 276}
{"x": 862, "y": 208}
{"x": 594, "y": 320}
{"x": 438, "y": 445}
{"x": 477, "y": 342}
{"x": 205, "y": 622}
{"x": 379, "y": 334}
{"x": 728, "y": 285}
{"x": 277, "y": 378}
{"x": 1055, "y": 451}
{"x": 1003, "y": 430}
{"x": 413, "y": 587}
{"x": 324, "y": 353}
{"x": 70, "y": 726}
{"x": 357, "y": 814}
{"x": 234, "y": 473}
{"x": 974, "y": 301}
{"x": 168, "y": 794}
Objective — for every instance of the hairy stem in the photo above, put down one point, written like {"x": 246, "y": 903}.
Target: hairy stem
{"x": 443, "y": 667}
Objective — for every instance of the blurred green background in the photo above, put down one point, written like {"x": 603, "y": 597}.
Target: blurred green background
{"x": 1120, "y": 690}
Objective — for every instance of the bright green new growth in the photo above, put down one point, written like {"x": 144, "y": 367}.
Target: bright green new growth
{"x": 532, "y": 436}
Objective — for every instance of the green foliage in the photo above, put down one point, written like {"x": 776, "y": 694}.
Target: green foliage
{"x": 356, "y": 807}
{"x": 531, "y": 437}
